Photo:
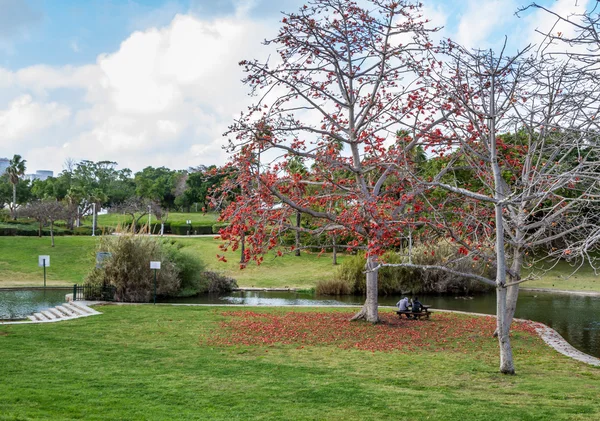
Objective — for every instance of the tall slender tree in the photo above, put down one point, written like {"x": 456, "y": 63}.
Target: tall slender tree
{"x": 16, "y": 170}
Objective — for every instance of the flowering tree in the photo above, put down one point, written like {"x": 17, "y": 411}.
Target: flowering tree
{"x": 343, "y": 85}
{"x": 523, "y": 128}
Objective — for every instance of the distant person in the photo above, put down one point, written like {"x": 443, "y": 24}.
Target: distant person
{"x": 417, "y": 307}
{"x": 402, "y": 304}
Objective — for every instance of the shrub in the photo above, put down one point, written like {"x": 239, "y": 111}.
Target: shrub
{"x": 217, "y": 227}
{"x": 217, "y": 283}
{"x": 396, "y": 280}
{"x": 128, "y": 269}
{"x": 333, "y": 287}
{"x": 189, "y": 268}
{"x": 181, "y": 228}
{"x": 351, "y": 272}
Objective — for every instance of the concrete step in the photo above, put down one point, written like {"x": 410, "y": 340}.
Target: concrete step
{"x": 48, "y": 315}
{"x": 83, "y": 307}
{"x": 65, "y": 312}
{"x": 40, "y": 317}
{"x": 57, "y": 314}
{"x": 74, "y": 309}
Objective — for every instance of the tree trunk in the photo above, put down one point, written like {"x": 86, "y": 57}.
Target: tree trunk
{"x": 40, "y": 230}
{"x": 503, "y": 327}
{"x": 52, "y": 233}
{"x": 334, "y": 257}
{"x": 14, "y": 203}
{"x": 369, "y": 311}
{"x": 297, "y": 251}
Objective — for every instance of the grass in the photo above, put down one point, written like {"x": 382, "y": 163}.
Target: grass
{"x": 163, "y": 362}
{"x": 70, "y": 260}
{"x": 112, "y": 220}
{"x": 73, "y": 257}
{"x": 558, "y": 278}
{"x": 284, "y": 271}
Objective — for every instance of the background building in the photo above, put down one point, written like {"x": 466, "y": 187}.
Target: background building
{"x": 39, "y": 175}
{"x": 4, "y": 163}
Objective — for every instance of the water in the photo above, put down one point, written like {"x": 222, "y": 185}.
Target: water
{"x": 575, "y": 317}
{"x": 18, "y": 304}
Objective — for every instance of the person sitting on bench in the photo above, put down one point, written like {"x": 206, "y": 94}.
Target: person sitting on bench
{"x": 417, "y": 307}
{"x": 402, "y": 304}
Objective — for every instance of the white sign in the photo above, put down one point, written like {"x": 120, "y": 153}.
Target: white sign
{"x": 154, "y": 265}
{"x": 44, "y": 261}
{"x": 189, "y": 222}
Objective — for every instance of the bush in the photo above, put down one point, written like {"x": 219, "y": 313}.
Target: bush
{"x": 189, "y": 268}
{"x": 333, "y": 287}
{"x": 218, "y": 227}
{"x": 397, "y": 280}
{"x": 128, "y": 269}
{"x": 181, "y": 228}
{"x": 351, "y": 272}
{"x": 217, "y": 283}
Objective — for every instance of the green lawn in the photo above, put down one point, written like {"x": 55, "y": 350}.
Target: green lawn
{"x": 70, "y": 260}
{"x": 73, "y": 257}
{"x": 285, "y": 271}
{"x": 163, "y": 362}
{"x": 558, "y": 278}
{"x": 112, "y": 220}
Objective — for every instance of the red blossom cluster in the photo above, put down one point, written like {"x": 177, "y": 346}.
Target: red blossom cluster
{"x": 444, "y": 332}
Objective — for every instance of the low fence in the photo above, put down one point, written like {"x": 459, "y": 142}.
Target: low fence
{"x": 90, "y": 292}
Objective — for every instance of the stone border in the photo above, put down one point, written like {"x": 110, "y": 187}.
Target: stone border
{"x": 563, "y": 291}
{"x": 550, "y": 336}
{"x": 553, "y": 338}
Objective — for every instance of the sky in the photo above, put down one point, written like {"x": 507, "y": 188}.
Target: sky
{"x": 157, "y": 82}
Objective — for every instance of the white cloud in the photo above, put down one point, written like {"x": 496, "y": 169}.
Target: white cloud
{"x": 25, "y": 117}
{"x": 163, "y": 98}
{"x": 481, "y": 19}
{"x": 541, "y": 22}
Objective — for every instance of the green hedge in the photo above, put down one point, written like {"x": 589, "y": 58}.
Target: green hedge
{"x": 31, "y": 231}
{"x": 181, "y": 228}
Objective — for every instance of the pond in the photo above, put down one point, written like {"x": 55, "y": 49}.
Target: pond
{"x": 20, "y": 303}
{"x": 575, "y": 317}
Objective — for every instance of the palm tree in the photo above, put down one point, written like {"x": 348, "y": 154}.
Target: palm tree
{"x": 15, "y": 170}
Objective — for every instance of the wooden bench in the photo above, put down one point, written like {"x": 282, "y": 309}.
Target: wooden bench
{"x": 409, "y": 314}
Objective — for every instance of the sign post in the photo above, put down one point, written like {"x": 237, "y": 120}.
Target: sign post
{"x": 189, "y": 222}
{"x": 156, "y": 267}
{"x": 44, "y": 262}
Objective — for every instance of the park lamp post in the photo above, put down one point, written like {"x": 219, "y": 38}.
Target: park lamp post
{"x": 44, "y": 261}
{"x": 155, "y": 266}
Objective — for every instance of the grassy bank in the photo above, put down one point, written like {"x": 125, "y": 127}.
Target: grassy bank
{"x": 73, "y": 257}
{"x": 154, "y": 363}
{"x": 113, "y": 220}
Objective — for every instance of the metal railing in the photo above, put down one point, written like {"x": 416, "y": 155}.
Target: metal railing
{"x": 91, "y": 292}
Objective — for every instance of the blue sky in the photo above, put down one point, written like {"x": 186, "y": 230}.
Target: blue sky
{"x": 134, "y": 81}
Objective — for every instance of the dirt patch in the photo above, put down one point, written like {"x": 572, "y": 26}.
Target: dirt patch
{"x": 3, "y": 333}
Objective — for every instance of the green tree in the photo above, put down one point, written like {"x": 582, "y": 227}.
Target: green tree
{"x": 15, "y": 170}
{"x": 157, "y": 184}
